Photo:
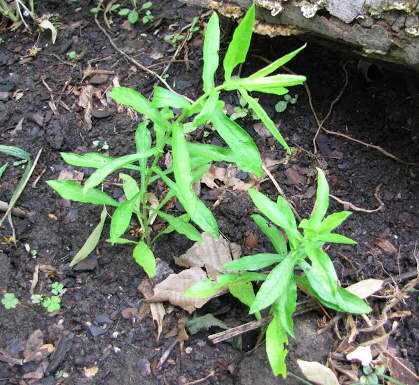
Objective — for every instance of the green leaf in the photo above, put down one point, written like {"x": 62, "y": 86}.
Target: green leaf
{"x": 101, "y": 173}
{"x": 88, "y": 160}
{"x": 265, "y": 84}
{"x": 181, "y": 226}
{"x": 133, "y": 17}
{"x": 285, "y": 306}
{"x": 163, "y": 97}
{"x": 121, "y": 218}
{"x": 280, "y": 213}
{"x": 210, "y": 52}
{"x": 350, "y": 303}
{"x": 334, "y": 220}
{"x": 277, "y": 63}
{"x": 244, "y": 292}
{"x": 206, "y": 153}
{"x": 133, "y": 99}
{"x": 15, "y": 152}
{"x": 266, "y": 120}
{"x": 246, "y": 153}
{"x": 253, "y": 262}
{"x": 9, "y": 301}
{"x": 121, "y": 241}
{"x": 197, "y": 210}
{"x": 91, "y": 242}
{"x": 275, "y": 347}
{"x": 322, "y": 200}
{"x": 275, "y": 285}
{"x": 207, "y": 110}
{"x": 71, "y": 190}
{"x": 145, "y": 258}
{"x": 274, "y": 235}
{"x": 129, "y": 185}
{"x": 124, "y": 12}
{"x": 239, "y": 45}
{"x": 335, "y": 238}
{"x": 3, "y": 169}
{"x": 205, "y": 322}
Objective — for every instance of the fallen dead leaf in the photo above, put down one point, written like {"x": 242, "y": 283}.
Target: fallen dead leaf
{"x": 366, "y": 288}
{"x": 361, "y": 354}
{"x": 228, "y": 177}
{"x": 33, "y": 345}
{"x": 91, "y": 372}
{"x": 68, "y": 174}
{"x": 317, "y": 373}
{"x": 261, "y": 130}
{"x": 173, "y": 287}
{"x": 402, "y": 370}
{"x": 86, "y": 102}
{"x": 157, "y": 309}
{"x": 210, "y": 253}
{"x": 386, "y": 246}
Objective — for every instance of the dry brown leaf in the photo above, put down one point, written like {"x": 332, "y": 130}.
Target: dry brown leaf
{"x": 210, "y": 253}
{"x": 154, "y": 203}
{"x": 33, "y": 345}
{"x": 402, "y": 370}
{"x": 361, "y": 354}
{"x": 226, "y": 176}
{"x": 68, "y": 174}
{"x": 157, "y": 309}
{"x": 366, "y": 288}
{"x": 317, "y": 373}
{"x": 386, "y": 246}
{"x": 85, "y": 101}
{"x": 91, "y": 372}
{"x": 173, "y": 287}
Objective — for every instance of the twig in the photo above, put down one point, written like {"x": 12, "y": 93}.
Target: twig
{"x": 132, "y": 60}
{"x": 201, "y": 380}
{"x": 16, "y": 211}
{"x": 351, "y": 206}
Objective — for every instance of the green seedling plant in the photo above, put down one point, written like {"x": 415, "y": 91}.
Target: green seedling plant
{"x": 299, "y": 261}
{"x": 166, "y": 120}
{"x": 51, "y": 304}
{"x": 282, "y": 105}
{"x": 175, "y": 38}
{"x": 9, "y": 301}
{"x": 57, "y": 288}
{"x": 72, "y": 55}
{"x": 136, "y": 13}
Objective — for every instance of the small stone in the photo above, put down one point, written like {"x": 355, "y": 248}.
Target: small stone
{"x": 4, "y": 96}
{"x": 98, "y": 79}
{"x": 96, "y": 331}
{"x": 87, "y": 264}
{"x": 102, "y": 113}
{"x": 102, "y": 319}
{"x": 144, "y": 367}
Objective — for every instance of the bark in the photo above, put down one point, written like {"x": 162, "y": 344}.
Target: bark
{"x": 383, "y": 29}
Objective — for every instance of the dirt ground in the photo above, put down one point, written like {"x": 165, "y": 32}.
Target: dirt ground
{"x": 379, "y": 106}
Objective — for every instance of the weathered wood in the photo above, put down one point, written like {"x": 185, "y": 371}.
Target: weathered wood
{"x": 383, "y": 29}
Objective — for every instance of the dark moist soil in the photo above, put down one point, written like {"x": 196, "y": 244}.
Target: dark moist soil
{"x": 379, "y": 106}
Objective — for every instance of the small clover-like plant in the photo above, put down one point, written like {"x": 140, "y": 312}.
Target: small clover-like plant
{"x": 166, "y": 120}
{"x": 299, "y": 261}
{"x": 51, "y": 304}
{"x": 57, "y": 288}
{"x": 9, "y": 301}
{"x": 282, "y": 105}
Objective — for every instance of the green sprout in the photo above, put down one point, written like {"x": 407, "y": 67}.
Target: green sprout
{"x": 72, "y": 55}
{"x": 52, "y": 304}
{"x": 282, "y": 105}
{"x": 9, "y": 301}
{"x": 57, "y": 288}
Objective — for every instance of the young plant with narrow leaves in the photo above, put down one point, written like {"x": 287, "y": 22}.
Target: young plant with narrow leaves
{"x": 299, "y": 261}
{"x": 166, "y": 120}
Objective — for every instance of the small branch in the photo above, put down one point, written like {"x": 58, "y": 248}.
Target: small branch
{"x": 352, "y": 207}
{"x": 16, "y": 211}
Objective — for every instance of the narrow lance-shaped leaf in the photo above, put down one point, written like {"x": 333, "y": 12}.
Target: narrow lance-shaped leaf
{"x": 210, "y": 52}
{"x": 273, "y": 233}
{"x": 101, "y": 173}
{"x": 266, "y": 120}
{"x": 253, "y": 262}
{"x": 276, "y": 339}
{"x": 277, "y": 63}
{"x": 89, "y": 160}
{"x": 285, "y": 306}
{"x": 121, "y": 218}
{"x": 163, "y": 97}
{"x": 275, "y": 285}
{"x": 143, "y": 255}
{"x": 240, "y": 43}
{"x": 335, "y": 238}
{"x": 129, "y": 185}
{"x": 246, "y": 153}
{"x": 71, "y": 190}
{"x": 244, "y": 292}
{"x": 322, "y": 200}
{"x": 198, "y": 212}
{"x": 181, "y": 226}
{"x": 207, "y": 109}
{"x": 333, "y": 220}
{"x": 91, "y": 242}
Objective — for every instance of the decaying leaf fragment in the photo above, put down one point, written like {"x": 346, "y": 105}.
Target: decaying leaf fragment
{"x": 317, "y": 373}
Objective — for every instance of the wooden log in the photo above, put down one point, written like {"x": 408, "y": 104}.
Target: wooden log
{"x": 380, "y": 29}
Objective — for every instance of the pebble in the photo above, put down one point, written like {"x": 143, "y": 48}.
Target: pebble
{"x": 4, "y": 96}
{"x": 98, "y": 79}
{"x": 102, "y": 113}
{"x": 87, "y": 264}
{"x": 96, "y": 331}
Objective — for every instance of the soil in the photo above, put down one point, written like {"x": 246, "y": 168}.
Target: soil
{"x": 380, "y": 106}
